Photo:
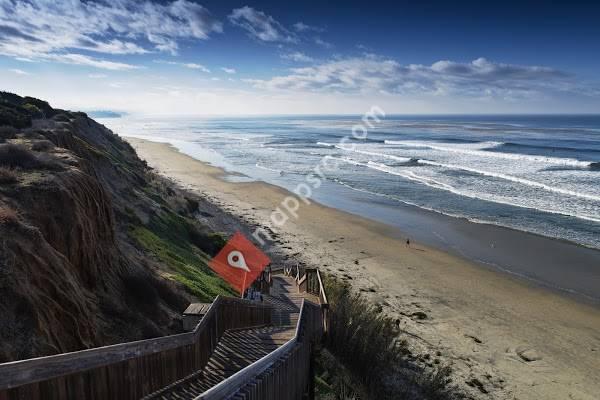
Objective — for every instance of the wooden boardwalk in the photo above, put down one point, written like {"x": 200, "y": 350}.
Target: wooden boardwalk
{"x": 239, "y": 348}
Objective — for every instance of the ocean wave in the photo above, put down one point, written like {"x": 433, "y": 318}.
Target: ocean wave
{"x": 412, "y": 161}
{"x": 542, "y": 147}
{"x": 449, "y": 214}
{"x": 482, "y": 152}
{"x": 410, "y": 175}
{"x": 325, "y": 144}
{"x": 512, "y": 178}
{"x": 267, "y": 168}
{"x": 369, "y": 153}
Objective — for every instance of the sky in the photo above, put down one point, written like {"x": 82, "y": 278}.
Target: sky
{"x": 197, "y": 57}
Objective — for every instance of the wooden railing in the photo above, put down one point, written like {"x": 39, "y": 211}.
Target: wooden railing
{"x": 129, "y": 370}
{"x": 311, "y": 282}
{"x": 133, "y": 370}
{"x": 285, "y": 373}
{"x": 264, "y": 281}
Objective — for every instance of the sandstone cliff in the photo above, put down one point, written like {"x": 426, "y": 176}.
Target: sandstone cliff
{"x": 94, "y": 247}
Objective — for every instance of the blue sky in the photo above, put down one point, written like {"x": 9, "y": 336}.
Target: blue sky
{"x": 227, "y": 57}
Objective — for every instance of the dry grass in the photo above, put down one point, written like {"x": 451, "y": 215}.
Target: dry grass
{"x": 7, "y": 132}
{"x": 8, "y": 216}
{"x": 368, "y": 344}
{"x": 7, "y": 175}
{"x": 14, "y": 155}
{"x": 42, "y": 145}
{"x": 19, "y": 156}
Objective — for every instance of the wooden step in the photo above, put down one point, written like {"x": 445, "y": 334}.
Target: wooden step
{"x": 236, "y": 350}
{"x": 239, "y": 348}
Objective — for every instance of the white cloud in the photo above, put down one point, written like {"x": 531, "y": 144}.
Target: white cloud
{"x": 80, "y": 59}
{"x": 302, "y": 27}
{"x": 186, "y": 65}
{"x": 229, "y": 70}
{"x": 19, "y": 71}
{"x": 297, "y": 56}
{"x": 323, "y": 43}
{"x": 54, "y": 30}
{"x": 374, "y": 74}
{"x": 196, "y": 66}
{"x": 260, "y": 26}
{"x": 97, "y": 76}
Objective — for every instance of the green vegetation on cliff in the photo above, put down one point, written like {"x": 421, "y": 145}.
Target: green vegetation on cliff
{"x": 170, "y": 237}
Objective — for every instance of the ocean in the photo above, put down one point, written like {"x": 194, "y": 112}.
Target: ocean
{"x": 530, "y": 173}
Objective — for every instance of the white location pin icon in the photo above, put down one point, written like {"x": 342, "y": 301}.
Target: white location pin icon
{"x": 235, "y": 259}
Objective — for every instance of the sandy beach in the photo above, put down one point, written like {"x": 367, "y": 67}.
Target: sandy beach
{"x": 503, "y": 337}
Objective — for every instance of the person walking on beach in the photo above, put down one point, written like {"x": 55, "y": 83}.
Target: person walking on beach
{"x": 407, "y": 242}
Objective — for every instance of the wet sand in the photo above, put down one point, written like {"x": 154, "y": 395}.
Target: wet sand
{"x": 502, "y": 335}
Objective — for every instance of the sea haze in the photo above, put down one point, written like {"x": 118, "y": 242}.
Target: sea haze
{"x": 531, "y": 173}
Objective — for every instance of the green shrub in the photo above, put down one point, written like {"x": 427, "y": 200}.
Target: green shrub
{"x": 42, "y": 145}
{"x": 33, "y": 111}
{"x": 10, "y": 99}
{"x": 61, "y": 118}
{"x": 7, "y": 132}
{"x": 17, "y": 156}
{"x": 16, "y": 117}
{"x": 210, "y": 243}
{"x": 40, "y": 105}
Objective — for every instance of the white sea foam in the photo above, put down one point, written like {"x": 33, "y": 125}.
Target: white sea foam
{"x": 325, "y": 144}
{"x": 498, "y": 175}
{"x": 444, "y": 186}
{"x": 478, "y": 150}
{"x": 267, "y": 168}
{"x": 511, "y": 178}
{"x": 369, "y": 153}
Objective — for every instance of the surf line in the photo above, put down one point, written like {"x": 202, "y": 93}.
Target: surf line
{"x": 289, "y": 206}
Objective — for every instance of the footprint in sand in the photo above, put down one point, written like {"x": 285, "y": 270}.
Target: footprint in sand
{"x": 526, "y": 354}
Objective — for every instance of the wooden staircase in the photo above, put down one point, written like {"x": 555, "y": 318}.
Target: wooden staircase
{"x": 236, "y": 350}
{"x": 239, "y": 350}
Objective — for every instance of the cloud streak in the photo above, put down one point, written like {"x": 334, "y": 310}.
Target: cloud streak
{"x": 302, "y": 27}
{"x": 199, "y": 67}
{"x": 375, "y": 74}
{"x": 58, "y": 30}
{"x": 297, "y": 57}
{"x": 19, "y": 71}
{"x": 260, "y": 26}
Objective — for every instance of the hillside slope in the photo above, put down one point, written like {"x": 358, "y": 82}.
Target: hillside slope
{"x": 94, "y": 247}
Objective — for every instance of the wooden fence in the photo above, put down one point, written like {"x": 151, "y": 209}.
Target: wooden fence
{"x": 129, "y": 370}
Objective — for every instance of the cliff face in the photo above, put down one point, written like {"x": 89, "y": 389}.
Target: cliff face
{"x": 94, "y": 248}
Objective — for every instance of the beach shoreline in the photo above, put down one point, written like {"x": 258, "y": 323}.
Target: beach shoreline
{"x": 516, "y": 339}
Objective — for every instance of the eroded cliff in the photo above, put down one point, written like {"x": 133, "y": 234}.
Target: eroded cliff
{"x": 94, "y": 247}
